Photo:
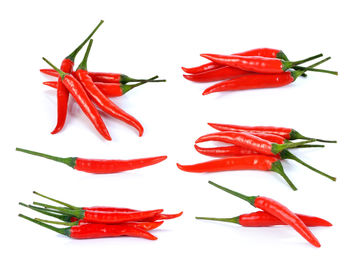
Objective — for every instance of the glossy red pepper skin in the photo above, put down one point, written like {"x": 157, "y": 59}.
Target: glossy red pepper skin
{"x": 80, "y": 96}
{"x": 108, "y": 89}
{"x": 93, "y": 216}
{"x": 256, "y": 64}
{"x": 105, "y": 103}
{"x": 281, "y": 131}
{"x": 62, "y": 96}
{"x": 252, "y": 81}
{"x": 99, "y": 166}
{"x": 287, "y": 216}
{"x": 147, "y": 226}
{"x": 89, "y": 231}
{"x": 263, "y": 52}
{"x": 221, "y": 73}
{"x": 264, "y": 219}
{"x": 228, "y": 151}
{"x": 247, "y": 162}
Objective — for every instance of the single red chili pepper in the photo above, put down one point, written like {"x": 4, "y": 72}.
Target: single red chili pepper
{"x": 100, "y": 99}
{"x": 277, "y": 210}
{"x": 89, "y": 231}
{"x": 221, "y": 73}
{"x": 104, "y": 77}
{"x": 264, "y": 219}
{"x": 110, "y": 209}
{"x": 63, "y": 93}
{"x": 263, "y": 52}
{"x": 287, "y": 133}
{"x": 108, "y": 89}
{"x": 77, "y": 91}
{"x": 147, "y": 226}
{"x": 250, "y": 141}
{"x": 94, "y": 216}
{"x": 99, "y": 166}
{"x": 256, "y": 63}
{"x": 260, "y": 81}
{"x": 247, "y": 162}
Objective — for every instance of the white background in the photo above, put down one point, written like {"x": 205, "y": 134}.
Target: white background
{"x": 141, "y": 39}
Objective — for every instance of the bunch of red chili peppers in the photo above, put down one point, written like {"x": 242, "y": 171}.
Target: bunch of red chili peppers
{"x": 252, "y": 148}
{"x": 91, "y": 88}
{"x": 272, "y": 213}
{"x": 252, "y": 69}
{"x": 98, "y": 221}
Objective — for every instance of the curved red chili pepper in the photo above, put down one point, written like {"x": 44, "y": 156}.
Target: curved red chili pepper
{"x": 256, "y": 63}
{"x": 104, "y": 77}
{"x": 63, "y": 93}
{"x": 263, "y": 52}
{"x": 247, "y": 162}
{"x": 92, "y": 230}
{"x": 100, "y": 166}
{"x": 220, "y": 73}
{"x": 80, "y": 96}
{"x": 277, "y": 210}
{"x": 250, "y": 141}
{"x": 287, "y": 133}
{"x": 108, "y": 89}
{"x": 264, "y": 219}
{"x": 228, "y": 151}
{"x": 100, "y": 99}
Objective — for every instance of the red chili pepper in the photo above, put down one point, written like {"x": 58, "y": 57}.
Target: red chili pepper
{"x": 260, "y": 81}
{"x": 220, "y": 73}
{"x": 108, "y": 89}
{"x": 264, "y": 219}
{"x": 89, "y": 231}
{"x": 100, "y": 166}
{"x": 256, "y": 63}
{"x": 63, "y": 93}
{"x": 100, "y": 99}
{"x": 247, "y": 162}
{"x": 287, "y": 133}
{"x": 104, "y": 77}
{"x": 263, "y": 52}
{"x": 250, "y": 141}
{"x": 77, "y": 91}
{"x": 277, "y": 210}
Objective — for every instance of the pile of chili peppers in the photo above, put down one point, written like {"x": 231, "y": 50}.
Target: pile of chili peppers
{"x": 98, "y": 221}
{"x": 272, "y": 213}
{"x": 99, "y": 166}
{"x": 252, "y": 69}
{"x": 253, "y": 148}
{"x": 90, "y": 89}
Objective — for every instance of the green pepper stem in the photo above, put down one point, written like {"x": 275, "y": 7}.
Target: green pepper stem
{"x": 249, "y": 199}
{"x": 300, "y": 72}
{"x": 83, "y": 64}
{"x": 306, "y": 60}
{"x": 278, "y": 168}
{"x": 59, "y": 71}
{"x": 78, "y": 213}
{"x": 75, "y": 52}
{"x": 316, "y": 70}
{"x": 70, "y": 161}
{"x": 231, "y": 220}
{"x": 48, "y": 212}
{"x": 277, "y": 148}
{"x": 56, "y": 201}
{"x": 126, "y": 88}
{"x": 285, "y": 154}
{"x": 310, "y": 146}
{"x": 58, "y": 222}
{"x": 296, "y": 135}
{"x": 64, "y": 231}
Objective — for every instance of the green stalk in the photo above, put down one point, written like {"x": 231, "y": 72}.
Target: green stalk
{"x": 70, "y": 161}
{"x": 277, "y": 148}
{"x": 48, "y": 212}
{"x": 60, "y": 72}
{"x": 75, "y": 52}
{"x": 59, "y": 222}
{"x": 231, "y": 220}
{"x": 285, "y": 154}
{"x": 296, "y": 135}
{"x": 291, "y": 64}
{"x": 73, "y": 212}
{"x": 316, "y": 70}
{"x": 83, "y": 64}
{"x": 126, "y": 88}
{"x": 249, "y": 199}
{"x": 64, "y": 231}
{"x": 278, "y": 168}
{"x": 56, "y": 201}
{"x": 298, "y": 73}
